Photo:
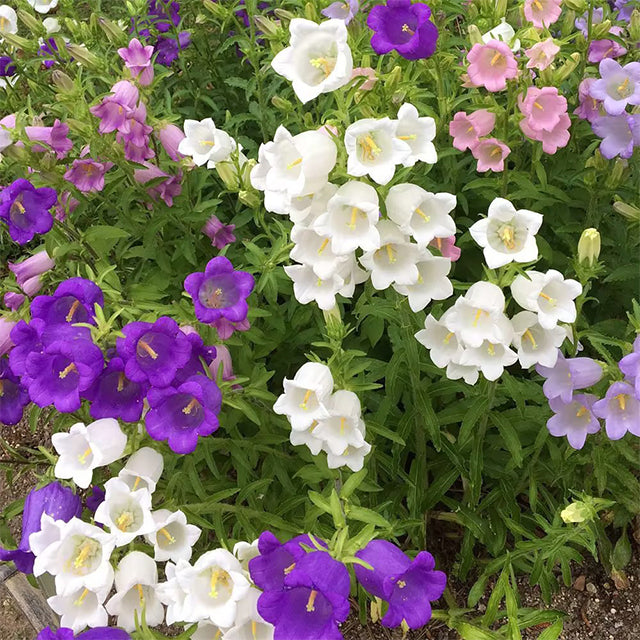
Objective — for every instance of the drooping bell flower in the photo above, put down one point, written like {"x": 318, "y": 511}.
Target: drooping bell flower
{"x": 630, "y": 366}
{"x": 66, "y": 205}
{"x": 225, "y": 328}
{"x": 199, "y": 353}
{"x": 165, "y": 190}
{"x": 552, "y": 140}
{"x": 170, "y": 137}
{"x": 97, "y": 633}
{"x": 59, "y": 502}
{"x": 620, "y": 134}
{"x": 6, "y": 343}
{"x": 543, "y": 108}
{"x": 34, "y": 266}
{"x": 542, "y": 54}
{"x": 601, "y": 49}
{"x": 179, "y": 415}
{"x": 113, "y": 395}
{"x": 620, "y": 410}
{"x": 409, "y": 586}
{"x": 467, "y": 129}
{"x": 589, "y": 108}
{"x": 403, "y": 26}
{"x": 568, "y": 375}
{"x": 73, "y": 301}
{"x": 25, "y": 209}
{"x": 13, "y": 396}
{"x": 223, "y": 358}
{"x": 54, "y": 137}
{"x": 153, "y": 353}
{"x": 12, "y": 301}
{"x": 87, "y": 175}
{"x": 114, "y": 109}
{"x": 220, "y": 234}
{"x": 137, "y": 58}
{"x": 573, "y": 419}
{"x": 491, "y": 65}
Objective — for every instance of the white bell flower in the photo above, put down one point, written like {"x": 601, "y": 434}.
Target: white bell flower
{"x": 351, "y": 218}
{"x": 303, "y": 210}
{"x": 246, "y": 551}
{"x": 504, "y": 32}
{"x": 479, "y": 316}
{"x": 352, "y": 457}
{"x": 249, "y": 624}
{"x": 421, "y": 214}
{"x": 143, "y": 469}
{"x": 80, "y": 558}
{"x": 214, "y": 585}
{"x": 171, "y": 592}
{"x": 8, "y": 20}
{"x": 352, "y": 275}
{"x": 48, "y": 534}
{"x": 80, "y": 609}
{"x": 417, "y": 132}
{"x": 506, "y": 234}
{"x": 304, "y": 397}
{"x": 127, "y": 513}
{"x": 86, "y": 448}
{"x": 318, "y": 58}
{"x": 547, "y": 294}
{"x": 395, "y": 260}
{"x": 443, "y": 344}
{"x": 344, "y": 426}
{"x": 136, "y": 581}
{"x": 52, "y": 25}
{"x": 307, "y": 438}
{"x": 315, "y": 251}
{"x": 173, "y": 537}
{"x": 291, "y": 166}
{"x": 469, "y": 373}
{"x": 43, "y": 6}
{"x": 491, "y": 358}
{"x": 207, "y": 631}
{"x": 373, "y": 149}
{"x": 308, "y": 287}
{"x": 204, "y": 143}
{"x": 535, "y": 344}
{"x": 432, "y": 283}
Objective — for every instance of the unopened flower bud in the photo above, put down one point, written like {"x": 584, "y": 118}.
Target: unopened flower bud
{"x": 310, "y": 12}
{"x": 577, "y": 512}
{"x": 217, "y": 9}
{"x": 614, "y": 177}
{"x": 267, "y": 25}
{"x": 250, "y": 198}
{"x": 600, "y": 30}
{"x": 29, "y": 21}
{"x": 284, "y": 14}
{"x": 16, "y": 41}
{"x": 392, "y": 79}
{"x": 627, "y": 210}
{"x": 228, "y": 175}
{"x": 634, "y": 25}
{"x": 83, "y": 55}
{"x": 579, "y": 6}
{"x": 245, "y": 174}
{"x": 561, "y": 74}
{"x": 113, "y": 31}
{"x": 281, "y": 103}
{"x": 589, "y": 246}
{"x": 62, "y": 81}
{"x": 500, "y": 8}
{"x": 475, "y": 37}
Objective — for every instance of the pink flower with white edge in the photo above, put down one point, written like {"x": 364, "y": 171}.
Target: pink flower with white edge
{"x": 447, "y": 247}
{"x": 543, "y": 108}
{"x": 542, "y": 13}
{"x": 491, "y": 65}
{"x": 490, "y": 154}
{"x": 467, "y": 129}
{"x": 542, "y": 54}
{"x": 552, "y": 140}
{"x": 369, "y": 74}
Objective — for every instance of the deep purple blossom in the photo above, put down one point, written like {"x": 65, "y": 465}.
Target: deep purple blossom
{"x": 13, "y": 396}
{"x": 163, "y": 14}
{"x": 179, "y": 415}
{"x": 13, "y": 300}
{"x": 114, "y": 109}
{"x": 567, "y": 375}
{"x": 409, "y": 586}
{"x": 403, "y": 26}
{"x": 573, "y": 419}
{"x": 630, "y": 366}
{"x": 620, "y": 134}
{"x": 57, "y": 501}
{"x": 26, "y": 337}
{"x": 220, "y": 292}
{"x": 342, "y": 10}
{"x": 87, "y": 175}
{"x": 620, "y": 410}
{"x": 200, "y": 353}
{"x": 49, "y": 51}
{"x": 73, "y": 301}
{"x": 113, "y": 395}
{"x": 54, "y": 137}
{"x": 26, "y": 209}
{"x": 98, "y": 633}
{"x": 153, "y": 352}
{"x": 618, "y": 86}
{"x": 314, "y": 602}
{"x": 168, "y": 49}
{"x": 7, "y": 68}
{"x": 220, "y": 234}
{"x": 137, "y": 58}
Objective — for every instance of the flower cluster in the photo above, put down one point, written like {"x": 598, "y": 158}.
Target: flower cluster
{"x": 323, "y": 419}
{"x": 163, "y": 17}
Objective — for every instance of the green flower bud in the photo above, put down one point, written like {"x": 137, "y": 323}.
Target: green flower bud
{"x": 245, "y": 174}
{"x": 475, "y": 37}
{"x": 589, "y": 246}
{"x": 266, "y": 25}
{"x": 217, "y": 9}
{"x": 113, "y": 31}
{"x": 392, "y": 79}
{"x": 579, "y": 6}
{"x": 250, "y": 198}
{"x": 561, "y": 74}
{"x": 281, "y": 103}
{"x": 500, "y": 8}
{"x": 614, "y": 178}
{"x": 31, "y": 22}
{"x": 627, "y": 210}
{"x": 600, "y": 30}
{"x": 577, "y": 512}
{"x": 310, "y": 12}
{"x": 228, "y": 175}
{"x": 62, "y": 81}
{"x": 17, "y": 41}
{"x": 634, "y": 25}
{"x": 83, "y": 55}
{"x": 284, "y": 14}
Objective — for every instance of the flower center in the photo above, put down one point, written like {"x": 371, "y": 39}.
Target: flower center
{"x": 214, "y": 300}
{"x": 413, "y": 136}
{"x": 402, "y": 584}
{"x": 72, "y": 310}
{"x": 537, "y": 105}
{"x": 508, "y": 236}
{"x": 491, "y": 350}
{"x": 407, "y": 29}
{"x": 342, "y": 423}
{"x": 146, "y": 348}
{"x": 307, "y": 395}
{"x": 254, "y": 629}
{"x": 167, "y": 535}
{"x": 310, "y": 602}
{"x": 140, "y": 594}
{"x": 479, "y": 313}
{"x": 323, "y": 246}
{"x": 289, "y": 569}
{"x": 217, "y": 576}
{"x": 422, "y": 214}
{"x": 17, "y": 208}
{"x": 624, "y": 90}
{"x": 622, "y": 401}
{"x": 189, "y": 408}
{"x": 548, "y": 298}
{"x": 89, "y": 169}
{"x": 82, "y": 458}
{"x": 537, "y": 5}
{"x": 3, "y": 23}
{"x": 370, "y": 150}
{"x": 582, "y": 411}
{"x": 496, "y": 151}
{"x": 119, "y": 388}
{"x": 67, "y": 370}
{"x": 326, "y": 65}
{"x": 85, "y": 551}
{"x": 447, "y": 338}
{"x": 497, "y": 56}
{"x": 1, "y": 388}
{"x": 295, "y": 163}
{"x": 529, "y": 336}
{"x": 124, "y": 520}
{"x": 354, "y": 215}
{"x": 80, "y": 600}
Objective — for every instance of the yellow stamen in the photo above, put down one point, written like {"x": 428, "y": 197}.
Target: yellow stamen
{"x": 548, "y": 298}
{"x": 342, "y": 421}
{"x": 496, "y": 151}
{"x": 307, "y": 395}
{"x": 391, "y": 253}
{"x": 406, "y": 29}
{"x": 537, "y": 105}
{"x": 622, "y": 401}
{"x": 148, "y": 349}
{"x": 495, "y": 58}
{"x": 18, "y": 205}
{"x": 623, "y": 86}
{"x": 508, "y": 236}
{"x": 214, "y": 581}
{"x": 413, "y": 136}
{"x": 214, "y": 298}
{"x": 352, "y": 222}
{"x": 136, "y": 483}
{"x": 189, "y": 408}
{"x": 120, "y": 381}
{"x": 470, "y": 129}
{"x": 439, "y": 244}
{"x": 289, "y": 569}
{"x": 72, "y": 310}
{"x": 491, "y": 350}
{"x": 581, "y": 412}
{"x": 83, "y": 456}
{"x": 218, "y": 634}
{"x": 422, "y": 214}
{"x": 3, "y": 22}
{"x": 323, "y": 246}
{"x": 208, "y": 143}
{"x": 167, "y": 535}
{"x": 312, "y": 599}
{"x": 140, "y": 594}
{"x": 67, "y": 370}
{"x": 402, "y": 584}
{"x": 80, "y": 600}
{"x": 448, "y": 337}
{"x": 124, "y": 520}
{"x": 319, "y": 282}
{"x": 254, "y": 629}
{"x": 477, "y": 318}
{"x": 1, "y": 388}
{"x": 370, "y": 150}
{"x": 537, "y": 5}
{"x": 529, "y": 335}
{"x": 295, "y": 163}
{"x": 326, "y": 66}
{"x": 83, "y": 554}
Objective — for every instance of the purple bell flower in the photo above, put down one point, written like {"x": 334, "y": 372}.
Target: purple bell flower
{"x": 220, "y": 292}
{"x": 13, "y": 396}
{"x": 155, "y": 352}
{"x": 194, "y": 366}
{"x": 163, "y": 14}
{"x": 26, "y": 337}
{"x": 73, "y": 301}
{"x": 137, "y": 58}
{"x": 7, "y": 68}
{"x": 618, "y": 86}
{"x": 315, "y": 600}
{"x": 342, "y": 10}
{"x": 620, "y": 410}
{"x": 113, "y": 395}
{"x": 34, "y": 266}
{"x": 60, "y": 502}
{"x": 409, "y": 586}
{"x": 601, "y": 49}
{"x": 620, "y": 134}
{"x": 403, "y": 26}
{"x": 168, "y": 49}
{"x": 114, "y": 109}
{"x": 54, "y": 137}
{"x": 98, "y": 633}
{"x": 87, "y": 175}
{"x": 179, "y": 415}
{"x": 220, "y": 234}
{"x": 573, "y": 419}
{"x": 567, "y": 375}
{"x": 630, "y": 366}
{"x": 26, "y": 209}
{"x": 13, "y": 300}
{"x": 96, "y": 498}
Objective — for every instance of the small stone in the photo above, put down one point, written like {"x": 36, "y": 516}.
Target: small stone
{"x": 606, "y": 585}
{"x": 591, "y": 588}
{"x": 613, "y": 610}
{"x": 482, "y": 607}
{"x": 579, "y": 583}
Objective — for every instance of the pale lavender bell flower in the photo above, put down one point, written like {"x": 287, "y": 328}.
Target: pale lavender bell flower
{"x": 620, "y": 410}
{"x": 573, "y": 419}
{"x": 567, "y": 375}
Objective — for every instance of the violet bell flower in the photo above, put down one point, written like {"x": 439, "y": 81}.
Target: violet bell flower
{"x": 137, "y": 58}
{"x": 620, "y": 410}
{"x": 573, "y": 419}
{"x": 630, "y": 366}
{"x": 72, "y": 302}
{"x": 220, "y": 234}
{"x": 567, "y": 375}
{"x": 54, "y": 137}
{"x": 13, "y": 395}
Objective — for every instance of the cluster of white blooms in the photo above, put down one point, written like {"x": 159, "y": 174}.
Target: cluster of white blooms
{"x": 323, "y": 419}
{"x": 204, "y": 143}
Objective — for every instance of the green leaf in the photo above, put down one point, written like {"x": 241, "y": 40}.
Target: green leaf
{"x": 352, "y": 483}
{"x": 553, "y": 632}
{"x": 368, "y": 516}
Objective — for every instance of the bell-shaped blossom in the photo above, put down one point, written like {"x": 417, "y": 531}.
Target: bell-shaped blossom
{"x": 421, "y": 214}
{"x": 43, "y": 6}
{"x": 567, "y": 375}
{"x": 26, "y": 210}
{"x": 95, "y": 498}
{"x": 315, "y": 250}
{"x": 618, "y": 86}
{"x": 404, "y": 27}
{"x": 395, "y": 261}
{"x": 143, "y": 469}
{"x": 352, "y": 457}
{"x": 620, "y": 134}
{"x": 490, "y": 154}
{"x": 53, "y": 500}
{"x": 165, "y": 190}
{"x": 219, "y": 233}
{"x": 630, "y": 366}
{"x": 206, "y": 630}
{"x": 80, "y": 558}
{"x": 491, "y": 358}
{"x": 418, "y": 132}
{"x": 35, "y": 265}
{"x": 201, "y": 357}
{"x": 170, "y": 138}
{"x": 409, "y": 586}
{"x": 172, "y": 537}
{"x": 249, "y": 624}
{"x": 352, "y": 275}
{"x": 305, "y": 396}
{"x": 466, "y": 130}
{"x": 432, "y": 283}
{"x": 599, "y": 50}
{"x": 503, "y": 32}
{"x": 114, "y": 110}
{"x": 54, "y": 137}
{"x": 308, "y": 287}
{"x": 137, "y": 58}
{"x": 374, "y": 149}
{"x": 552, "y": 140}
{"x": 136, "y": 578}
{"x": 542, "y": 54}
{"x": 535, "y": 344}
{"x": 469, "y": 373}
{"x": 543, "y": 108}
{"x": 542, "y": 13}
{"x": 444, "y": 347}
{"x": 215, "y": 584}
{"x": 548, "y": 294}
{"x": 318, "y": 58}
{"x": 13, "y": 300}
{"x": 307, "y": 439}
{"x": 350, "y": 219}
{"x": 303, "y": 210}
{"x": 447, "y": 247}
{"x": 620, "y": 410}
{"x": 6, "y": 327}
{"x": 20, "y": 339}
{"x": 342, "y": 428}
{"x": 314, "y": 603}
{"x": 99, "y": 633}
{"x": 345, "y": 11}
{"x": 574, "y": 418}
{"x": 85, "y": 448}
{"x": 204, "y": 143}
{"x": 246, "y": 551}
{"x": 8, "y": 20}
{"x": 171, "y": 592}
{"x": 506, "y": 234}
{"x": 491, "y": 65}
{"x": 13, "y": 394}
{"x": 589, "y": 108}
{"x": 72, "y": 302}
{"x": 81, "y": 608}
